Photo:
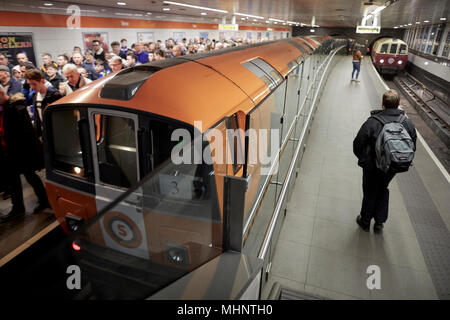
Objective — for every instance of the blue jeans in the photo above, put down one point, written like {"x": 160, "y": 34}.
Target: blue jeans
{"x": 356, "y": 67}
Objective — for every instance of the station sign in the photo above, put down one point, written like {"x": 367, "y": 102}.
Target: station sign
{"x": 368, "y": 29}
{"x": 229, "y": 27}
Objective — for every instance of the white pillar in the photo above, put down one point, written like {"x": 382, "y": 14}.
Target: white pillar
{"x": 224, "y": 20}
{"x": 233, "y": 20}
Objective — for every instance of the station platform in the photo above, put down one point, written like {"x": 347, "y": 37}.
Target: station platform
{"x": 321, "y": 249}
{"x": 19, "y": 233}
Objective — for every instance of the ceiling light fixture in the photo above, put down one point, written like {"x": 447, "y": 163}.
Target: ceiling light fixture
{"x": 121, "y": 4}
{"x": 48, "y": 4}
{"x": 166, "y": 9}
{"x": 203, "y": 13}
{"x": 443, "y": 19}
{"x": 417, "y": 22}
{"x": 377, "y": 10}
{"x": 247, "y": 15}
{"x": 195, "y": 7}
{"x": 271, "y": 19}
{"x": 426, "y": 21}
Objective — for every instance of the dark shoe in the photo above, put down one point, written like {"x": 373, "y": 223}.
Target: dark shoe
{"x": 41, "y": 207}
{"x": 14, "y": 213}
{"x": 378, "y": 227}
{"x": 363, "y": 226}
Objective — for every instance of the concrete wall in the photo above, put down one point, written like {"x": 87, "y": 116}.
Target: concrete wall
{"x": 434, "y": 68}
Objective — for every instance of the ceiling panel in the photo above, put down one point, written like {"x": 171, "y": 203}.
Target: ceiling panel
{"x": 327, "y": 13}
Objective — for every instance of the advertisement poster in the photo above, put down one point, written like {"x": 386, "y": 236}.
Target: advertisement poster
{"x": 249, "y": 36}
{"x": 88, "y": 37}
{"x": 145, "y": 37}
{"x": 178, "y": 36}
{"x": 14, "y": 43}
{"x": 204, "y": 35}
{"x": 258, "y": 36}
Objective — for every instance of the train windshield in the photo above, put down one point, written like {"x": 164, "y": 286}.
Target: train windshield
{"x": 164, "y": 225}
{"x": 67, "y": 153}
{"x": 384, "y": 48}
{"x": 393, "y": 48}
{"x": 402, "y": 49}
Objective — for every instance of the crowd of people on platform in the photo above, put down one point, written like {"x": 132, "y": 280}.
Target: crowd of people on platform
{"x": 26, "y": 90}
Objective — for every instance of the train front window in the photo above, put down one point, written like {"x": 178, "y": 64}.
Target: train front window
{"x": 116, "y": 150}
{"x": 393, "y": 48}
{"x": 67, "y": 153}
{"x": 402, "y": 49}
{"x": 384, "y": 48}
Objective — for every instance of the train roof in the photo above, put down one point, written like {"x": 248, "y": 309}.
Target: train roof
{"x": 388, "y": 40}
{"x": 203, "y": 87}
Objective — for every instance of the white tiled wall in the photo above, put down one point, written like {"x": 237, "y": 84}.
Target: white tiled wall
{"x": 62, "y": 40}
{"x": 432, "y": 67}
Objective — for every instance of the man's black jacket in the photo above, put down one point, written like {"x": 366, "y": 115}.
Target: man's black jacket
{"x": 51, "y": 96}
{"x": 364, "y": 143}
{"x": 24, "y": 150}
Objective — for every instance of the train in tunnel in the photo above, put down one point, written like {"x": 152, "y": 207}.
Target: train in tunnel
{"x": 390, "y": 55}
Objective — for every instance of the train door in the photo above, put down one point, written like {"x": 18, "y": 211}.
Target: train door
{"x": 114, "y": 141}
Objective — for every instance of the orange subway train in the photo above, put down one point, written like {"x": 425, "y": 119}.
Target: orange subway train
{"x": 105, "y": 137}
{"x": 153, "y": 148}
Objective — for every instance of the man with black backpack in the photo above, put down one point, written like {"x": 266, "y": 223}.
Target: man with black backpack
{"x": 384, "y": 145}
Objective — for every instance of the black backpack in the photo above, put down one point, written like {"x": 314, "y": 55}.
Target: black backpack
{"x": 394, "y": 147}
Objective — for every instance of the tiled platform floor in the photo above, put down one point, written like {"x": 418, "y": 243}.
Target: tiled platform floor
{"x": 321, "y": 249}
{"x": 16, "y": 232}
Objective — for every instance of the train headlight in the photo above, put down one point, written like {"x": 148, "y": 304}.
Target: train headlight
{"x": 400, "y": 62}
{"x": 381, "y": 60}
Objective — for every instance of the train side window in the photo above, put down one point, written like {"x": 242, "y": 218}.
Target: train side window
{"x": 260, "y": 74}
{"x": 402, "y": 49}
{"x": 393, "y": 48}
{"x": 384, "y": 48}
{"x": 116, "y": 150}
{"x": 267, "y": 68}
